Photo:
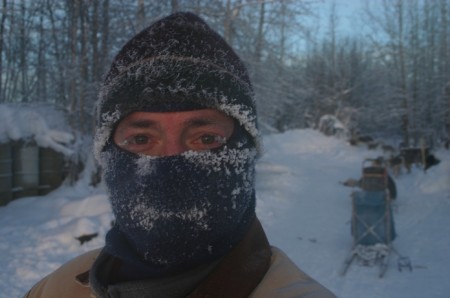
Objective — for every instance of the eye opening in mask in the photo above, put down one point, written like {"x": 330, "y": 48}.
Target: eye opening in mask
{"x": 161, "y": 134}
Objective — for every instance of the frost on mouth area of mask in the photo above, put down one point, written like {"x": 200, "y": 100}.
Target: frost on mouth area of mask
{"x": 228, "y": 160}
{"x": 230, "y": 167}
{"x": 145, "y": 216}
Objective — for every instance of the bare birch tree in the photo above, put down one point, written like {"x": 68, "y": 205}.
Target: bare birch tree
{"x": 2, "y": 33}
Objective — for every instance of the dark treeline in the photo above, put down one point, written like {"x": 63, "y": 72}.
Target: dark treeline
{"x": 393, "y": 82}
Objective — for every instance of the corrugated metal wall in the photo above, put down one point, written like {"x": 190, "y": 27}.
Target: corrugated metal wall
{"x": 28, "y": 170}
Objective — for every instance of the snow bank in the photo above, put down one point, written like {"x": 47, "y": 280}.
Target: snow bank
{"x": 42, "y": 124}
{"x": 437, "y": 178}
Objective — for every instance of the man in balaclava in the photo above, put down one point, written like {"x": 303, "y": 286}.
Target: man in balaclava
{"x": 185, "y": 223}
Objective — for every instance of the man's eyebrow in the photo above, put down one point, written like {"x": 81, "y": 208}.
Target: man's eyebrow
{"x": 140, "y": 123}
{"x": 198, "y": 122}
{"x": 195, "y": 122}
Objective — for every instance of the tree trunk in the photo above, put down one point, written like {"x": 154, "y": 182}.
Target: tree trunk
{"x": 140, "y": 14}
{"x": 175, "y": 6}
{"x": 230, "y": 14}
{"x": 23, "y": 53}
{"x": 84, "y": 69}
{"x": 95, "y": 70}
{"x": 260, "y": 33}
{"x": 402, "y": 69}
{"x": 2, "y": 30}
{"x": 72, "y": 96}
{"x": 105, "y": 34}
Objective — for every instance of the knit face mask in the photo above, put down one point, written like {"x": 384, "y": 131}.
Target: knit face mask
{"x": 177, "y": 212}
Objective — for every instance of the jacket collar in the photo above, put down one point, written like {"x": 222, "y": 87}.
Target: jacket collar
{"x": 239, "y": 272}
{"x": 236, "y": 275}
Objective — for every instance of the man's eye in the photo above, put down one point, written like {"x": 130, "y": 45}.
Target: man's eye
{"x": 135, "y": 140}
{"x": 140, "y": 140}
{"x": 208, "y": 139}
{"x": 212, "y": 139}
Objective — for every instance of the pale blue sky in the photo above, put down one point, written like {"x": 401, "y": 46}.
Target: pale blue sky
{"x": 349, "y": 15}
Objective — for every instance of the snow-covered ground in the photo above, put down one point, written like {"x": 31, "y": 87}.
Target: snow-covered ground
{"x": 303, "y": 207}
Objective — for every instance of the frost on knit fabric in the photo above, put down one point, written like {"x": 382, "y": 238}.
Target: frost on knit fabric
{"x": 175, "y": 60}
{"x": 194, "y": 207}
{"x": 164, "y": 187}
{"x": 171, "y": 82}
{"x": 196, "y": 201}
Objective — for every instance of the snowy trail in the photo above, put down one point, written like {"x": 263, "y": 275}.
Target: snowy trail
{"x": 310, "y": 218}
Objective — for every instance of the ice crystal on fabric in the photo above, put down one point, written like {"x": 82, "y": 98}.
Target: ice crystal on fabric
{"x": 226, "y": 159}
{"x": 144, "y": 165}
{"x": 103, "y": 133}
{"x": 145, "y": 216}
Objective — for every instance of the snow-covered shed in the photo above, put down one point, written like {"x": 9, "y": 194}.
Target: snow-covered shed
{"x": 34, "y": 146}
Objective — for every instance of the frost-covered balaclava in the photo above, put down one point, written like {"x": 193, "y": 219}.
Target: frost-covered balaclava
{"x": 177, "y": 212}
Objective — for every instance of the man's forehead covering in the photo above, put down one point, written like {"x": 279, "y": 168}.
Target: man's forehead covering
{"x": 178, "y": 63}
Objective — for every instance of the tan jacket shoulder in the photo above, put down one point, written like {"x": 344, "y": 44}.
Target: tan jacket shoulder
{"x": 62, "y": 283}
{"x": 285, "y": 279}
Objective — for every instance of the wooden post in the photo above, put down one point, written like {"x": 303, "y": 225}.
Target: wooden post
{"x": 5, "y": 173}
